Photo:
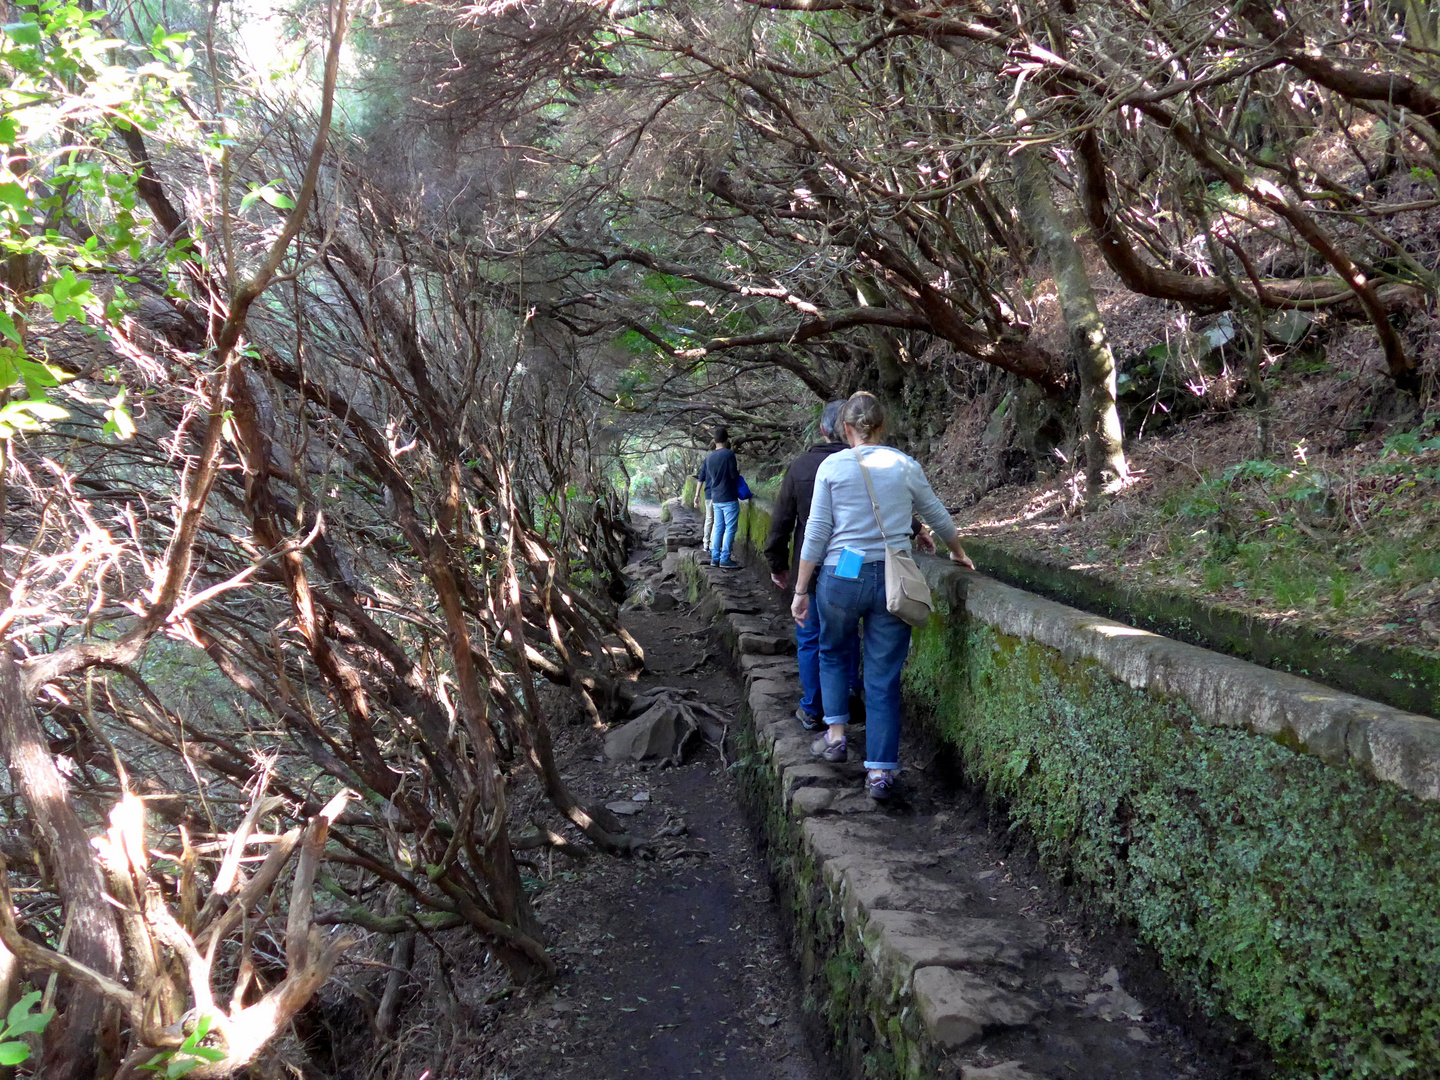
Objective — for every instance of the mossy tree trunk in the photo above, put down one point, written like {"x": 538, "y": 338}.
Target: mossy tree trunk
{"x": 1099, "y": 418}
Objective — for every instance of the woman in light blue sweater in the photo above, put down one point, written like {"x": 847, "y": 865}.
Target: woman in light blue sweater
{"x": 847, "y": 535}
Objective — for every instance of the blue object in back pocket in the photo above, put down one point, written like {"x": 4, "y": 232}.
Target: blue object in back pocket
{"x": 850, "y": 562}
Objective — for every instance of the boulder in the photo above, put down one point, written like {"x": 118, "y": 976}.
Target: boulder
{"x": 661, "y": 732}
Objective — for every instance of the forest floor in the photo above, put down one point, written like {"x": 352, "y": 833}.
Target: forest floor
{"x": 669, "y": 967}
{"x": 1337, "y": 527}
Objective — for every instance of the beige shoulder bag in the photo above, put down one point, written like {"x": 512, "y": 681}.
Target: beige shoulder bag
{"x": 907, "y": 593}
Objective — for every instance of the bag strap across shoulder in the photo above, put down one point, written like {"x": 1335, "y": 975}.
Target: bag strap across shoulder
{"x": 870, "y": 487}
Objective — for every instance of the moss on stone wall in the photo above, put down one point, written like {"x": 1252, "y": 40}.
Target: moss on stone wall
{"x": 1398, "y": 675}
{"x": 867, "y": 1023}
{"x": 1302, "y": 899}
{"x": 754, "y": 527}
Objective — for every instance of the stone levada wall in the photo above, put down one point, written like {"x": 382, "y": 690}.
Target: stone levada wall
{"x": 1276, "y": 842}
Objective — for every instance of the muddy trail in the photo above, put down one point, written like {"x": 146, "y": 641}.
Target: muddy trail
{"x": 680, "y": 964}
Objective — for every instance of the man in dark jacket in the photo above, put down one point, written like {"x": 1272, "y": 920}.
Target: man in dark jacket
{"x": 782, "y": 547}
{"x": 721, "y": 475}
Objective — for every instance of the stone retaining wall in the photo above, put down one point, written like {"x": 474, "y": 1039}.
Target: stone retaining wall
{"x": 1277, "y": 842}
{"x": 1394, "y": 674}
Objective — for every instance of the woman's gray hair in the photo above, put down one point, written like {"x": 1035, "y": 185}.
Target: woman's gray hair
{"x": 830, "y": 419}
{"x": 864, "y": 413}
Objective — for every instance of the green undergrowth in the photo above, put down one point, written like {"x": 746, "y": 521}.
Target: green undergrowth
{"x": 1301, "y": 899}
{"x": 1329, "y": 539}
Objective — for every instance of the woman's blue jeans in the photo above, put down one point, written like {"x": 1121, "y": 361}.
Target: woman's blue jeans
{"x": 845, "y": 604}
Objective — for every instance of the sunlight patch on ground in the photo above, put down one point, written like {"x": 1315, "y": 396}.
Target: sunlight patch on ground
{"x": 1042, "y": 502}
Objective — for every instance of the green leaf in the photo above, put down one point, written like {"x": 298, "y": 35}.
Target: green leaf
{"x": 14, "y": 195}
{"x": 32, "y": 1024}
{"x": 13, "y": 1053}
{"x": 7, "y": 327}
{"x": 42, "y": 410}
{"x": 37, "y": 376}
{"x": 21, "y": 1009}
{"x": 277, "y": 199}
{"x": 22, "y": 33}
{"x": 269, "y": 193}
{"x": 119, "y": 422}
{"x": 28, "y": 416}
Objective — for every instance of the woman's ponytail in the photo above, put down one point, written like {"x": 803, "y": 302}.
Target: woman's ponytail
{"x": 864, "y": 413}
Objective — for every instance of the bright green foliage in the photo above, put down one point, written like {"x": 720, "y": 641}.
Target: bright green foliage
{"x": 188, "y": 1056}
{"x": 1301, "y": 898}
{"x": 61, "y": 97}
{"x": 22, "y": 1020}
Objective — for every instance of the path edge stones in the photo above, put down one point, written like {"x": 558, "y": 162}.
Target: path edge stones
{"x": 886, "y": 993}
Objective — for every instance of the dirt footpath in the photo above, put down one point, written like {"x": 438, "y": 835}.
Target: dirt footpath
{"x": 675, "y": 966}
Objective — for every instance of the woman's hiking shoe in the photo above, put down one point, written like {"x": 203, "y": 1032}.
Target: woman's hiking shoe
{"x": 808, "y": 722}
{"x": 833, "y": 752}
{"x": 729, "y": 564}
{"x": 881, "y": 786}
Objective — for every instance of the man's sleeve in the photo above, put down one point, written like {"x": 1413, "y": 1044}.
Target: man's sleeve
{"x": 782, "y": 525}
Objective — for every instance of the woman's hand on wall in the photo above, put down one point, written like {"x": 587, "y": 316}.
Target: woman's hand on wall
{"x": 959, "y": 556}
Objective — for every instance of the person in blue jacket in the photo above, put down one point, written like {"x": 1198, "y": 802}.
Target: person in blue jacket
{"x": 721, "y": 476}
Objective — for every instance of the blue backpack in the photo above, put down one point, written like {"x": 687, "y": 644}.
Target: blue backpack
{"x": 742, "y": 489}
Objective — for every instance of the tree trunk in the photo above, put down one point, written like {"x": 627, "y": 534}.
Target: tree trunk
{"x": 402, "y": 958}
{"x": 1099, "y": 418}
{"x": 80, "y": 1044}
{"x": 887, "y": 365}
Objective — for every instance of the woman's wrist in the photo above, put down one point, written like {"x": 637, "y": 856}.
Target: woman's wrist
{"x": 803, "y": 573}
